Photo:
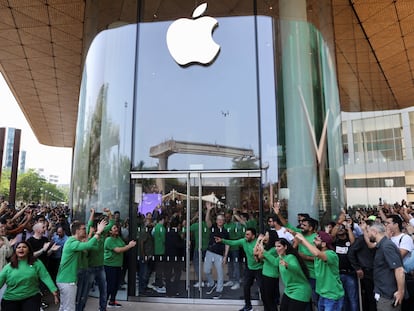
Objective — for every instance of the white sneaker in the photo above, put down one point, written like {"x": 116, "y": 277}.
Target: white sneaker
{"x": 152, "y": 286}
{"x": 198, "y": 284}
{"x": 160, "y": 290}
{"x": 228, "y": 283}
{"x": 235, "y": 286}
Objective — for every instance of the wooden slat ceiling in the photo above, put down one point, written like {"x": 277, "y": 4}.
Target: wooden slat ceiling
{"x": 43, "y": 44}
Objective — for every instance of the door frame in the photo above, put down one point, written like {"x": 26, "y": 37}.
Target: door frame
{"x": 200, "y": 175}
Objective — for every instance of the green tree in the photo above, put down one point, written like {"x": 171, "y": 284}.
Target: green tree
{"x": 5, "y": 183}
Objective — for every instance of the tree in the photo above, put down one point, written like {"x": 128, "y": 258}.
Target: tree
{"x": 31, "y": 187}
{"x": 5, "y": 183}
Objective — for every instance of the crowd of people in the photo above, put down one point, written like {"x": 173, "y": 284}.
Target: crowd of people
{"x": 42, "y": 250}
{"x": 362, "y": 260}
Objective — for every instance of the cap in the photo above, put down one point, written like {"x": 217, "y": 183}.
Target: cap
{"x": 372, "y": 217}
{"x": 326, "y": 237}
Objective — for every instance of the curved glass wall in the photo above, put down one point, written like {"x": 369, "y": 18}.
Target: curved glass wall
{"x": 102, "y": 156}
{"x": 259, "y": 123}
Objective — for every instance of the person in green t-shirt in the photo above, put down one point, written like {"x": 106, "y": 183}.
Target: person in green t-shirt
{"x": 265, "y": 251}
{"x": 94, "y": 265}
{"x": 22, "y": 276}
{"x": 254, "y": 268}
{"x": 68, "y": 269}
{"x": 158, "y": 233}
{"x": 114, "y": 249}
{"x": 236, "y": 231}
{"x": 328, "y": 283}
{"x": 294, "y": 274}
{"x": 195, "y": 237}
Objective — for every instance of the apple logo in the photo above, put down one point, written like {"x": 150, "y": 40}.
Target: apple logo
{"x": 190, "y": 40}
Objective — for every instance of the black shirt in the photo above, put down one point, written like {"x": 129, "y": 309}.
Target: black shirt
{"x": 217, "y": 248}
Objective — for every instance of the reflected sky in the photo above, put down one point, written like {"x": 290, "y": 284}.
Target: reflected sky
{"x": 214, "y": 104}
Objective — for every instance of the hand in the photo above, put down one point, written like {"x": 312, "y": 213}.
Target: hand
{"x": 299, "y": 237}
{"x": 360, "y": 273}
{"x": 101, "y": 226}
{"x": 46, "y": 246}
{"x": 224, "y": 260}
{"x": 276, "y": 207}
{"x": 92, "y": 211}
{"x": 217, "y": 239}
{"x": 132, "y": 244}
{"x": 55, "y": 247}
{"x": 209, "y": 206}
{"x": 283, "y": 263}
{"x": 398, "y": 297}
{"x": 56, "y": 297}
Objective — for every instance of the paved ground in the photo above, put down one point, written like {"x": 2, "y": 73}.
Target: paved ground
{"x": 92, "y": 305}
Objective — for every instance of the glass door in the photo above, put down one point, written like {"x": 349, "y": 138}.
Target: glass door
{"x": 173, "y": 234}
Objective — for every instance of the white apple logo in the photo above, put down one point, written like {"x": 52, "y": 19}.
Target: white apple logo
{"x": 190, "y": 40}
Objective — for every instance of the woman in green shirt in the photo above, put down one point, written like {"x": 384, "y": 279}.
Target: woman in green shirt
{"x": 294, "y": 274}
{"x": 266, "y": 252}
{"x": 22, "y": 276}
{"x": 114, "y": 249}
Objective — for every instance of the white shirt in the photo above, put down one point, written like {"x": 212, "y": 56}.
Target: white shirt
{"x": 404, "y": 241}
{"x": 283, "y": 233}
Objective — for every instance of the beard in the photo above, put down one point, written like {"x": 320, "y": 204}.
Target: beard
{"x": 372, "y": 239}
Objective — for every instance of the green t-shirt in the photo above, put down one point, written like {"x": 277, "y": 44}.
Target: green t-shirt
{"x": 297, "y": 285}
{"x": 158, "y": 234}
{"x": 328, "y": 282}
{"x": 112, "y": 258}
{"x": 248, "y": 248}
{"x": 69, "y": 264}
{"x": 304, "y": 250}
{"x": 95, "y": 254}
{"x": 271, "y": 263}
{"x": 236, "y": 231}
{"x": 23, "y": 282}
{"x": 205, "y": 234}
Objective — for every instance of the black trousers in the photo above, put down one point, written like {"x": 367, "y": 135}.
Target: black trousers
{"x": 270, "y": 293}
{"x": 249, "y": 277}
{"x": 29, "y": 304}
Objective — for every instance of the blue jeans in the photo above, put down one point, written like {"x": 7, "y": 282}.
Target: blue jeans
{"x": 143, "y": 274}
{"x": 326, "y": 304}
{"x": 82, "y": 291}
{"x": 196, "y": 261}
{"x": 98, "y": 275}
{"x": 315, "y": 296}
{"x": 350, "y": 284}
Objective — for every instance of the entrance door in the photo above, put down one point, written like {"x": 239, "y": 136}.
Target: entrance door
{"x": 171, "y": 206}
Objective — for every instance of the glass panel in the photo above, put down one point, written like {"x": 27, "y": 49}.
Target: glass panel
{"x": 102, "y": 155}
{"x": 192, "y": 113}
{"x": 169, "y": 214}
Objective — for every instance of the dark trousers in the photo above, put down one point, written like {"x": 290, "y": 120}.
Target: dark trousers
{"x": 367, "y": 293}
{"x": 113, "y": 277}
{"x": 289, "y": 304}
{"x": 270, "y": 293}
{"x": 29, "y": 304}
{"x": 172, "y": 278}
{"x": 249, "y": 277}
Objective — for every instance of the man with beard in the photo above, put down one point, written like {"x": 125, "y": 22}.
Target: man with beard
{"x": 389, "y": 279}
{"x": 254, "y": 268}
{"x": 328, "y": 283}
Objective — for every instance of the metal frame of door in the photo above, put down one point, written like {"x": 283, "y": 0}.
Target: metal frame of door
{"x": 199, "y": 176}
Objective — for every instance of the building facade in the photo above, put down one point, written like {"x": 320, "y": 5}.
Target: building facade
{"x": 258, "y": 123}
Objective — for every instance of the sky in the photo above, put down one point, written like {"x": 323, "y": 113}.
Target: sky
{"x": 54, "y": 161}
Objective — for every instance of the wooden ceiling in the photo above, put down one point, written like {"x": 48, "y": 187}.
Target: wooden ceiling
{"x": 43, "y": 44}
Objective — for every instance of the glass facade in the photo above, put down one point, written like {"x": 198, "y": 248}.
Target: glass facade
{"x": 260, "y": 123}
